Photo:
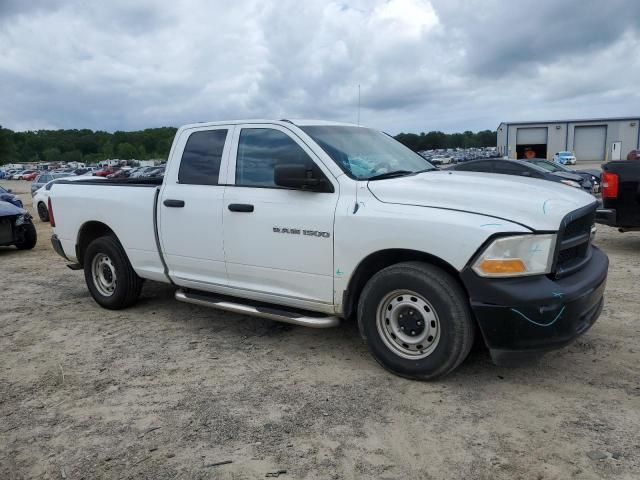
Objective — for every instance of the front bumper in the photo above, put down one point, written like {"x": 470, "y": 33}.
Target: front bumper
{"x": 524, "y": 317}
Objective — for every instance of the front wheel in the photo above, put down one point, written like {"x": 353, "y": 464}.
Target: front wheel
{"x": 111, "y": 280}
{"x": 416, "y": 320}
{"x": 30, "y": 238}
{"x": 43, "y": 212}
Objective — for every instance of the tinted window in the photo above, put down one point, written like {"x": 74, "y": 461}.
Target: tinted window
{"x": 200, "y": 164}
{"x": 509, "y": 168}
{"x": 475, "y": 167}
{"x": 260, "y": 150}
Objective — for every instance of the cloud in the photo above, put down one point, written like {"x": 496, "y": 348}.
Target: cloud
{"x": 448, "y": 64}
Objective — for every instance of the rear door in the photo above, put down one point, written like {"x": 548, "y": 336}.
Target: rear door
{"x": 278, "y": 241}
{"x": 190, "y": 208}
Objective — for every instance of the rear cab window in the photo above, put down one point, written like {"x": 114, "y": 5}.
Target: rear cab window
{"x": 202, "y": 157}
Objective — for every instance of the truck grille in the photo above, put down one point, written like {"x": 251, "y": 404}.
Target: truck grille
{"x": 574, "y": 241}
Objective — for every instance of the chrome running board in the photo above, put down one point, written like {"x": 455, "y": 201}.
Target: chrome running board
{"x": 277, "y": 313}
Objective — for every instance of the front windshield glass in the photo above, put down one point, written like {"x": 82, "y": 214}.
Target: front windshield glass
{"x": 364, "y": 153}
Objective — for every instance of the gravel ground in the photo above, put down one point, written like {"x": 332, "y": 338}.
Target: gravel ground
{"x": 167, "y": 390}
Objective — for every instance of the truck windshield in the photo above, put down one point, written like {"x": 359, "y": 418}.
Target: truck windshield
{"x": 363, "y": 153}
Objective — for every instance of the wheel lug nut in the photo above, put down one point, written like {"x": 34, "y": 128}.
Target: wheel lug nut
{"x": 410, "y": 313}
{"x": 413, "y": 332}
{"x": 402, "y": 328}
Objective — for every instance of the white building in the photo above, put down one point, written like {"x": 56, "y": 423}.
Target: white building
{"x": 598, "y": 139}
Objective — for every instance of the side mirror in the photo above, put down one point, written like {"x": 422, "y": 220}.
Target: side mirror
{"x": 301, "y": 177}
{"x": 9, "y": 190}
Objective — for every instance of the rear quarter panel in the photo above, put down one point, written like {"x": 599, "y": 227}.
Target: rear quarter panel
{"x": 127, "y": 210}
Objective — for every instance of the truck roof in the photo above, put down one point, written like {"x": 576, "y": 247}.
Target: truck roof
{"x": 283, "y": 122}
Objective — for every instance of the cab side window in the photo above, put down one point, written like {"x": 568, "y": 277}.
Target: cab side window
{"x": 200, "y": 163}
{"x": 260, "y": 150}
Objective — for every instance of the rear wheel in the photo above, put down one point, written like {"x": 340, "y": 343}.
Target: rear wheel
{"x": 416, "y": 320}
{"x": 111, "y": 280}
{"x": 43, "y": 212}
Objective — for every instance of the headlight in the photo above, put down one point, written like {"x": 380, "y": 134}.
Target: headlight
{"x": 517, "y": 256}
{"x": 571, "y": 183}
{"x": 22, "y": 219}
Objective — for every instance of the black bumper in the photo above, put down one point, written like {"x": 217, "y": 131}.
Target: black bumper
{"x": 57, "y": 246}
{"x": 607, "y": 216}
{"x": 524, "y": 317}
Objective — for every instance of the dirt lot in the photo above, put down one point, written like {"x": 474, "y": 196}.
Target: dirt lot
{"x": 166, "y": 390}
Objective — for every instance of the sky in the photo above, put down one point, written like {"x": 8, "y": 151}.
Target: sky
{"x": 449, "y": 65}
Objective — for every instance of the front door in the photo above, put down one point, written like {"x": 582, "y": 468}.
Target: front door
{"x": 277, "y": 240}
{"x": 190, "y": 209}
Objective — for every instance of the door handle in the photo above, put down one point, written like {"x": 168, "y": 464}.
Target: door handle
{"x": 241, "y": 207}
{"x": 173, "y": 203}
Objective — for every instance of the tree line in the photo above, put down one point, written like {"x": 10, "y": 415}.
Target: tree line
{"x": 83, "y": 145}
{"x": 437, "y": 140}
{"x": 90, "y": 146}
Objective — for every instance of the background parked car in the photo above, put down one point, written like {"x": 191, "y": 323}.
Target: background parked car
{"x": 41, "y": 196}
{"x": 16, "y": 227}
{"x": 19, "y": 175}
{"x": 524, "y": 169}
{"x": 154, "y": 172}
{"x": 106, "y": 171}
{"x": 141, "y": 171}
{"x": 44, "y": 178}
{"x": 124, "y": 172}
{"x": 441, "y": 160}
{"x": 592, "y": 176}
{"x": 7, "y": 196}
{"x": 564, "y": 158}
{"x": 30, "y": 176}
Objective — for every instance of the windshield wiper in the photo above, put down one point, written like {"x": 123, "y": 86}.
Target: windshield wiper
{"x": 395, "y": 173}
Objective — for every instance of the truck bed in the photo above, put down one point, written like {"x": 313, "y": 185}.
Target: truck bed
{"x": 623, "y": 211}
{"x": 130, "y": 213}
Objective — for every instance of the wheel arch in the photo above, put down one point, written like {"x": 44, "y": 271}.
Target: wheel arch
{"x": 88, "y": 233}
{"x": 376, "y": 261}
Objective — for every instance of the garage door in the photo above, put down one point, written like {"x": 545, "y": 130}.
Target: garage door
{"x": 589, "y": 143}
{"x": 531, "y": 136}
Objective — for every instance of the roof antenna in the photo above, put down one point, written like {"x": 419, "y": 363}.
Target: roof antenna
{"x": 358, "y": 104}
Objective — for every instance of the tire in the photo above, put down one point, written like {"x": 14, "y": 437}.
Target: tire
{"x": 115, "y": 284}
{"x": 30, "y": 238}
{"x": 43, "y": 212}
{"x": 396, "y": 300}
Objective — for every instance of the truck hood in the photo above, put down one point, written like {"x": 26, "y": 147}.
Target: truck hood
{"x": 8, "y": 209}
{"x": 536, "y": 204}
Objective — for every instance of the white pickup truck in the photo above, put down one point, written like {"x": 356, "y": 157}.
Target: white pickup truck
{"x": 310, "y": 222}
